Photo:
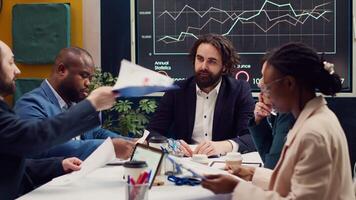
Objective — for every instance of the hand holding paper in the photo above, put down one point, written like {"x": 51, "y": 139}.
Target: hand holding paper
{"x": 100, "y": 157}
{"x": 135, "y": 80}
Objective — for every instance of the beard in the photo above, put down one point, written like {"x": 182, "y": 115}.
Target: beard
{"x": 205, "y": 79}
{"x": 72, "y": 94}
{"x": 7, "y": 88}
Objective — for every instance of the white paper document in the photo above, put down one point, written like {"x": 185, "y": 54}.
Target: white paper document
{"x": 104, "y": 154}
{"x": 252, "y": 157}
{"x": 134, "y": 81}
{"x": 248, "y": 159}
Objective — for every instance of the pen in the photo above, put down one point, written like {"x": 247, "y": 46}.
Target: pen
{"x": 132, "y": 181}
{"x": 142, "y": 178}
{"x": 149, "y": 176}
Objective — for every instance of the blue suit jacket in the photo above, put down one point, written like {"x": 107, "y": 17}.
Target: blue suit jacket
{"x": 234, "y": 107}
{"x": 21, "y": 138}
{"x": 41, "y": 104}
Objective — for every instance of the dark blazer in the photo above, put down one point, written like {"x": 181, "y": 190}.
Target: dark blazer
{"x": 234, "y": 107}
{"x": 40, "y": 104}
{"x": 21, "y": 138}
{"x": 270, "y": 135}
{"x": 39, "y": 172}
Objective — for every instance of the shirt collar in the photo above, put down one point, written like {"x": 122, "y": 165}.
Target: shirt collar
{"x": 216, "y": 89}
{"x": 60, "y": 100}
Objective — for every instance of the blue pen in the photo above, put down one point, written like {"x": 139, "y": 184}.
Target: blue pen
{"x": 128, "y": 179}
{"x": 149, "y": 176}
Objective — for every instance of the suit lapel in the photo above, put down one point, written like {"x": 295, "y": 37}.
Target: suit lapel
{"x": 190, "y": 101}
{"x": 50, "y": 96}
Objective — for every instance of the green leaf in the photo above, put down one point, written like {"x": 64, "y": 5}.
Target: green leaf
{"x": 130, "y": 118}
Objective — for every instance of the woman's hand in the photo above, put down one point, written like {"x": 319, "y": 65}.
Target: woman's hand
{"x": 220, "y": 183}
{"x": 243, "y": 172}
{"x": 262, "y": 109}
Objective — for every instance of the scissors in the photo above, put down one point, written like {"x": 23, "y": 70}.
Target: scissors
{"x": 184, "y": 180}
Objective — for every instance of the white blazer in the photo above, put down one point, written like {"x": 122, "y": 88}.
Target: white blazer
{"x": 314, "y": 163}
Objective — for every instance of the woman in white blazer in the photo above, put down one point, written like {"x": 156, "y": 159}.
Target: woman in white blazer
{"x": 314, "y": 163}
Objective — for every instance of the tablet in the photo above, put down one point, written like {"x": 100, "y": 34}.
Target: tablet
{"x": 152, "y": 156}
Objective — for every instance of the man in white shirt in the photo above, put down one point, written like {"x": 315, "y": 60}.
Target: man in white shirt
{"x": 210, "y": 109}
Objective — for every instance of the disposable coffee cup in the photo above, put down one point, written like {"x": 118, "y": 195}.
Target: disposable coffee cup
{"x": 233, "y": 160}
{"x": 158, "y": 142}
{"x": 133, "y": 169}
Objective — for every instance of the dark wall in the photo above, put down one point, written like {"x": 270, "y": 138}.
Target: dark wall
{"x": 115, "y": 30}
{"x": 115, "y": 34}
{"x": 345, "y": 110}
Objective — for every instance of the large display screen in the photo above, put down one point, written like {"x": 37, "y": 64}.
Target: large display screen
{"x": 166, "y": 29}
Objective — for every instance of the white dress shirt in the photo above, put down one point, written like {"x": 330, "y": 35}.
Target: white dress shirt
{"x": 204, "y": 116}
{"x": 62, "y": 104}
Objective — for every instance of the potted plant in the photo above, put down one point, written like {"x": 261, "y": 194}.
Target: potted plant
{"x": 126, "y": 117}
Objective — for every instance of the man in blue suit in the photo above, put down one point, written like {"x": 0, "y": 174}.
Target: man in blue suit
{"x": 67, "y": 85}
{"x": 210, "y": 109}
{"x": 21, "y": 138}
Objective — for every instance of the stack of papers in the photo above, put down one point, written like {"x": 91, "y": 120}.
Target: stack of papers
{"x": 135, "y": 81}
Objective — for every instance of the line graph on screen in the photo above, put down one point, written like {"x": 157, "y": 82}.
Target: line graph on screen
{"x": 252, "y": 25}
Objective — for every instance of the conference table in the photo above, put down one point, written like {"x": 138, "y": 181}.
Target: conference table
{"x": 107, "y": 183}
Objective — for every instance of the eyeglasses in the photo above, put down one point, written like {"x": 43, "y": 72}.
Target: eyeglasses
{"x": 266, "y": 88}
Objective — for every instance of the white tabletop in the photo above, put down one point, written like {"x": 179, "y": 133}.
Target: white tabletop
{"x": 106, "y": 183}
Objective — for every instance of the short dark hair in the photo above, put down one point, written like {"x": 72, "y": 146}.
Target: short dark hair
{"x": 304, "y": 64}
{"x": 74, "y": 50}
{"x": 230, "y": 57}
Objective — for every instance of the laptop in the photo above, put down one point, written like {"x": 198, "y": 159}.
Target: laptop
{"x": 152, "y": 156}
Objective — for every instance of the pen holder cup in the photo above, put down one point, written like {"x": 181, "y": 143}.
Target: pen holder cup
{"x": 137, "y": 192}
